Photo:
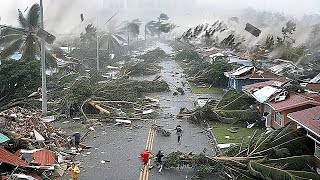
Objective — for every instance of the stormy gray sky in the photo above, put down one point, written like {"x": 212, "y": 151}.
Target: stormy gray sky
{"x": 63, "y": 16}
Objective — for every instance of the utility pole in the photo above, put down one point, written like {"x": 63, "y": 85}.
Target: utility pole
{"x": 43, "y": 67}
{"x": 98, "y": 65}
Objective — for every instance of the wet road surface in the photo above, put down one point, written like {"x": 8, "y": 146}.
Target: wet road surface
{"x": 116, "y": 149}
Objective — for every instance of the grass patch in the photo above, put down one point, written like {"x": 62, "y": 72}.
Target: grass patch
{"x": 205, "y": 90}
{"x": 220, "y": 130}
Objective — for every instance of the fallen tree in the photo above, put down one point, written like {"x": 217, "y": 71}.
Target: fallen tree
{"x": 285, "y": 153}
{"x": 110, "y": 97}
{"x": 232, "y": 108}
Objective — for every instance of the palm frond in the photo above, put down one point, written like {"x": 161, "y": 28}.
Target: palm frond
{"x": 265, "y": 142}
{"x": 22, "y": 20}
{"x": 33, "y": 17}
{"x": 12, "y": 30}
{"x": 285, "y": 137}
{"x": 114, "y": 43}
{"x": 31, "y": 48}
{"x": 304, "y": 175}
{"x": 293, "y": 162}
{"x": 252, "y": 140}
{"x": 291, "y": 145}
{"x": 119, "y": 37}
{"x": 267, "y": 172}
{"x": 284, "y": 131}
{"x": 9, "y": 38}
{"x": 12, "y": 48}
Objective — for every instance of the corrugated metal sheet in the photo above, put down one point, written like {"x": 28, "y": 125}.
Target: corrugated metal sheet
{"x": 263, "y": 94}
{"x": 3, "y": 138}
{"x": 44, "y": 157}
{"x": 9, "y": 158}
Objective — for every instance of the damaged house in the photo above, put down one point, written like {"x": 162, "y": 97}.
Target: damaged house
{"x": 275, "y": 103}
{"x": 309, "y": 119}
{"x": 280, "y": 107}
{"x": 246, "y": 75}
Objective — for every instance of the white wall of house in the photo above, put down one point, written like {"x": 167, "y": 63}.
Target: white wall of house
{"x": 268, "y": 110}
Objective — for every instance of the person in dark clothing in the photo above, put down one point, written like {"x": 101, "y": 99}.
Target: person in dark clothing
{"x": 77, "y": 138}
{"x": 71, "y": 111}
{"x": 159, "y": 162}
{"x": 179, "y": 133}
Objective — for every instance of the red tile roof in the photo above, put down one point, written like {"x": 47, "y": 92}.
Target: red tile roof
{"x": 9, "y": 158}
{"x": 309, "y": 118}
{"x": 313, "y": 87}
{"x": 44, "y": 157}
{"x": 292, "y": 101}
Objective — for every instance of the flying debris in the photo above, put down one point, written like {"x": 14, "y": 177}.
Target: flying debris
{"x": 81, "y": 16}
{"x": 252, "y": 30}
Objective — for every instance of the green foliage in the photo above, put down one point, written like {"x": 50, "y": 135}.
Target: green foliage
{"x": 303, "y": 162}
{"x": 18, "y": 79}
{"x": 24, "y": 39}
{"x": 153, "y": 28}
{"x": 89, "y": 38}
{"x": 233, "y": 116}
{"x": 199, "y": 162}
{"x": 269, "y": 42}
{"x": 173, "y": 160}
{"x": 233, "y": 107}
{"x": 153, "y": 55}
{"x": 203, "y": 165}
{"x": 291, "y": 53}
{"x": 315, "y": 30}
{"x": 75, "y": 89}
{"x": 214, "y": 74}
{"x": 140, "y": 68}
{"x": 288, "y": 29}
{"x": 188, "y": 55}
{"x": 232, "y": 100}
{"x": 252, "y": 160}
{"x": 267, "y": 172}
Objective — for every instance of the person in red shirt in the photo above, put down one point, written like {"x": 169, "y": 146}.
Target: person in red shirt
{"x": 145, "y": 156}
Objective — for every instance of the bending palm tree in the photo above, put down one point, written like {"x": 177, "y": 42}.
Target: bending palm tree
{"x": 24, "y": 39}
{"x": 112, "y": 39}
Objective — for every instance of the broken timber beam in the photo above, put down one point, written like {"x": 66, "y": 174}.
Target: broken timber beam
{"x": 226, "y": 158}
{"x": 97, "y": 106}
{"x": 184, "y": 115}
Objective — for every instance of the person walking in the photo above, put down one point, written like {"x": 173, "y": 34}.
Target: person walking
{"x": 145, "y": 156}
{"x": 179, "y": 133}
{"x": 74, "y": 171}
{"x": 159, "y": 159}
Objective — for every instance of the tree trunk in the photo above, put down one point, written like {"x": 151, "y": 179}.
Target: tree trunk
{"x": 97, "y": 106}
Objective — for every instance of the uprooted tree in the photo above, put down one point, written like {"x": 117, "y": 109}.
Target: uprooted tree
{"x": 232, "y": 108}
{"x": 284, "y": 153}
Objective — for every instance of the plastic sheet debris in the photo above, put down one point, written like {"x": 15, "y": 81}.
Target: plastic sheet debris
{"x": 148, "y": 111}
{"x": 48, "y": 119}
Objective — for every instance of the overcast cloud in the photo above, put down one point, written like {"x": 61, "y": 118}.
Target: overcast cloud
{"x": 63, "y": 16}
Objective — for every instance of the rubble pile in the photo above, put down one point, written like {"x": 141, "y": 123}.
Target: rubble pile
{"x": 23, "y": 124}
